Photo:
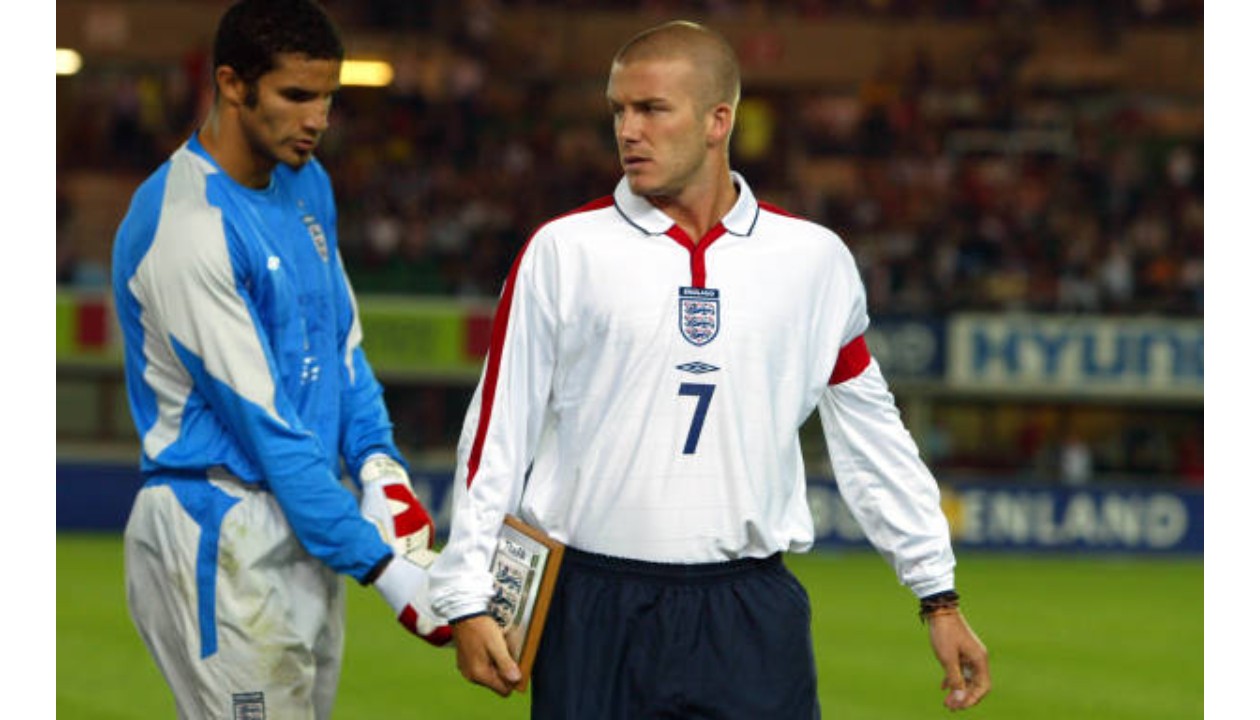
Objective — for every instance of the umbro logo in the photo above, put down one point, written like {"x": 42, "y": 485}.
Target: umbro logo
{"x": 697, "y": 368}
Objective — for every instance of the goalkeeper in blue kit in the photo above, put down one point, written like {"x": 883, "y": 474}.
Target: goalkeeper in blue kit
{"x": 249, "y": 390}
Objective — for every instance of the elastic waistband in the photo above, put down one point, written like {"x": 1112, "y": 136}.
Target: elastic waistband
{"x": 680, "y": 572}
{"x": 167, "y": 476}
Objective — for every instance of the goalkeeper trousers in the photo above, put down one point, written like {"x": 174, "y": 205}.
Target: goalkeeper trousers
{"x": 243, "y": 623}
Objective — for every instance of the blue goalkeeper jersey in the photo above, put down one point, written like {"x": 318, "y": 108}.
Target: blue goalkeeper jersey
{"x": 242, "y": 345}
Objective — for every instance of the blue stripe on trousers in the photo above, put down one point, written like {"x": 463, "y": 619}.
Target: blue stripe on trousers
{"x": 207, "y": 505}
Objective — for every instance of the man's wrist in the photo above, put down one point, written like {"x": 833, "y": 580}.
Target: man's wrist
{"x": 372, "y": 575}
{"x": 941, "y": 603}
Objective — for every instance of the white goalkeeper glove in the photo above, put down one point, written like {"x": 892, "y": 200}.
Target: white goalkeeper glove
{"x": 390, "y": 504}
{"x": 405, "y": 586}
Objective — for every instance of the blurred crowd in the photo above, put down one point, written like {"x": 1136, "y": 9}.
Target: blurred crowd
{"x": 984, "y": 194}
{"x": 1108, "y": 16}
{"x": 979, "y": 195}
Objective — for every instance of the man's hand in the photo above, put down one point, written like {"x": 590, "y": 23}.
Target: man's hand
{"x": 482, "y": 654}
{"x": 389, "y": 502}
{"x": 405, "y": 586}
{"x": 962, "y": 656}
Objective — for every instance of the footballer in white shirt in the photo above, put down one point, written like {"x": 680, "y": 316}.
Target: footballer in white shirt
{"x": 654, "y": 355}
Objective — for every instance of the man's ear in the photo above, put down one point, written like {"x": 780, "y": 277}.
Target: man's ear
{"x": 721, "y": 122}
{"x": 232, "y": 88}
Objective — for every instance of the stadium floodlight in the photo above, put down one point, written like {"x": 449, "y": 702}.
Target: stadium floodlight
{"x": 69, "y": 61}
{"x": 366, "y": 73}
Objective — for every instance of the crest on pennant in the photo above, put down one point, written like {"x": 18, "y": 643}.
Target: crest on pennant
{"x": 317, "y": 236}
{"x": 699, "y": 316}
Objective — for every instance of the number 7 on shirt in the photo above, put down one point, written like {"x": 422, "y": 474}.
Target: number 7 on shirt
{"x": 704, "y": 394}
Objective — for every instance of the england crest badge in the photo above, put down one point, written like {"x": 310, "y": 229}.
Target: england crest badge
{"x": 317, "y": 236}
{"x": 249, "y": 706}
{"x": 698, "y": 314}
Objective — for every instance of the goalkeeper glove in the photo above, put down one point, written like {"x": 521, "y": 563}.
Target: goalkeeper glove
{"x": 389, "y": 502}
{"x": 405, "y": 586}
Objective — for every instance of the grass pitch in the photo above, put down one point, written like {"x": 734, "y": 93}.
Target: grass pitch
{"x": 1068, "y": 637}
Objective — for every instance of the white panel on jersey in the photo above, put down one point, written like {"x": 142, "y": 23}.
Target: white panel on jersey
{"x": 186, "y": 278}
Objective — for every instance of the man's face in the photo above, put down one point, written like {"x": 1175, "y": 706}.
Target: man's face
{"x": 289, "y": 112}
{"x": 659, "y": 130}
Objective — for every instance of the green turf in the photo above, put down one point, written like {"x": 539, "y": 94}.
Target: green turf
{"x": 1077, "y": 637}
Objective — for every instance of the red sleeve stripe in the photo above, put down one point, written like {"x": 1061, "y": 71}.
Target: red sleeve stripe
{"x": 853, "y": 359}
{"x": 492, "y": 365}
{"x": 497, "y": 335}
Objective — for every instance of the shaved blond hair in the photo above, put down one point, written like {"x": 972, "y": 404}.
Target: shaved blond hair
{"x": 708, "y": 52}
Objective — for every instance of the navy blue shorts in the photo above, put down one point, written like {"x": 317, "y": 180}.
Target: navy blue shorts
{"x": 635, "y": 640}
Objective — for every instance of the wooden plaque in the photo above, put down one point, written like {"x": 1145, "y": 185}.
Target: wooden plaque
{"x": 524, "y": 568}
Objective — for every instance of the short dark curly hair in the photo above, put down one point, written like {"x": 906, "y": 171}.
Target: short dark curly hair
{"x": 252, "y": 32}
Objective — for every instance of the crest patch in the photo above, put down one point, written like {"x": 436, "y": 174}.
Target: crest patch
{"x": 699, "y": 316}
{"x": 317, "y": 236}
{"x": 249, "y": 706}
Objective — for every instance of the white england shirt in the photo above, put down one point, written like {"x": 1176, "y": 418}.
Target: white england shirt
{"x": 643, "y": 394}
